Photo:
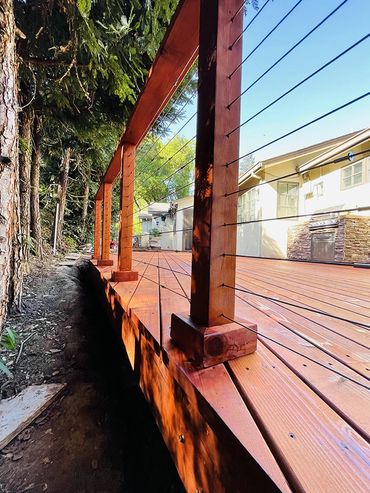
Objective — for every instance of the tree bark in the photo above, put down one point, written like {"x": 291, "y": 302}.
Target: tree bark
{"x": 25, "y": 160}
{"x": 10, "y": 253}
{"x": 35, "y": 225}
{"x": 62, "y": 193}
{"x": 85, "y": 203}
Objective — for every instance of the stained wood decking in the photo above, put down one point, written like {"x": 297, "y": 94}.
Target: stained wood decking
{"x": 300, "y": 405}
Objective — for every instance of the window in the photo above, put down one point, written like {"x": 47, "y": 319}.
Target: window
{"x": 287, "y": 198}
{"x": 352, "y": 175}
{"x": 248, "y": 210}
{"x": 318, "y": 189}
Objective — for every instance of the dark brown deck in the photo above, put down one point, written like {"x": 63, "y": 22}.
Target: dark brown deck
{"x": 300, "y": 405}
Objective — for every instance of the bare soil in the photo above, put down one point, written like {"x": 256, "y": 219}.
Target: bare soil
{"x": 99, "y": 435}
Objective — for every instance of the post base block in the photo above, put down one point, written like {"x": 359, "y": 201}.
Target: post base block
{"x": 104, "y": 262}
{"x": 208, "y": 346}
{"x": 124, "y": 275}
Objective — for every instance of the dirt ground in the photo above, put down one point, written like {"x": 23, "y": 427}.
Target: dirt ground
{"x": 99, "y": 435}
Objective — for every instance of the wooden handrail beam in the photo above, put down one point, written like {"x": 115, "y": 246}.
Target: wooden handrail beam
{"x": 178, "y": 51}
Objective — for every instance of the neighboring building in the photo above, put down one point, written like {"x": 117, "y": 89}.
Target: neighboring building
{"x": 155, "y": 221}
{"x": 173, "y": 221}
{"x": 290, "y": 185}
{"x": 344, "y": 184}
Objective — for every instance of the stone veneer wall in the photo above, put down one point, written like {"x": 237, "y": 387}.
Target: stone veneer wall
{"x": 352, "y": 240}
{"x": 357, "y": 239}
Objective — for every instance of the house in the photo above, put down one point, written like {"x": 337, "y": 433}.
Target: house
{"x": 167, "y": 225}
{"x": 310, "y": 204}
{"x": 155, "y": 220}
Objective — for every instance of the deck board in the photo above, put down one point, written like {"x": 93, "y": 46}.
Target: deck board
{"x": 320, "y": 452}
{"x": 286, "y": 410}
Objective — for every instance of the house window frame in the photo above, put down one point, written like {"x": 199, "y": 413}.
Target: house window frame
{"x": 293, "y": 184}
{"x": 319, "y": 185}
{"x": 248, "y": 205}
{"x": 349, "y": 166}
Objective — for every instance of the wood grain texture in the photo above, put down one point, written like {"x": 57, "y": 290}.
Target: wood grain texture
{"x": 107, "y": 214}
{"x": 97, "y": 229}
{"x": 18, "y": 412}
{"x": 187, "y": 412}
{"x": 317, "y": 449}
{"x": 274, "y": 391}
{"x": 127, "y": 210}
{"x": 209, "y": 346}
{"x": 213, "y": 179}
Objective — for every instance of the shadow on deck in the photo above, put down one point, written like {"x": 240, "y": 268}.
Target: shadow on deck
{"x": 292, "y": 416}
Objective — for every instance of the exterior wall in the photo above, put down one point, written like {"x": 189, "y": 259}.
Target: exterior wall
{"x": 357, "y": 239}
{"x": 352, "y": 240}
{"x": 178, "y": 238}
{"x": 267, "y": 238}
{"x": 300, "y": 241}
{"x": 320, "y": 190}
{"x": 333, "y": 195}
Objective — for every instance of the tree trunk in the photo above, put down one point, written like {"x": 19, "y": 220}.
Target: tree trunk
{"x": 85, "y": 203}
{"x": 35, "y": 225}
{"x": 10, "y": 253}
{"x": 62, "y": 192}
{"x": 25, "y": 160}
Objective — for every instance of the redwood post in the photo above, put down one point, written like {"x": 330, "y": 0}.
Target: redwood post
{"x": 97, "y": 230}
{"x": 107, "y": 213}
{"x": 206, "y": 336}
{"x": 125, "y": 272}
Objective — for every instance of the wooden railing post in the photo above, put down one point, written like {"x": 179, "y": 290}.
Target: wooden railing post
{"x": 207, "y": 336}
{"x": 107, "y": 213}
{"x": 97, "y": 229}
{"x": 125, "y": 272}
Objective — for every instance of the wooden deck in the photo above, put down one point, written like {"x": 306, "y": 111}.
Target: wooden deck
{"x": 299, "y": 408}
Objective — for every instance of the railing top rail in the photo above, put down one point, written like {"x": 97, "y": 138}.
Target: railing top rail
{"x": 176, "y": 55}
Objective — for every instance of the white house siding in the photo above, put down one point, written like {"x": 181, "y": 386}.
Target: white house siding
{"x": 320, "y": 190}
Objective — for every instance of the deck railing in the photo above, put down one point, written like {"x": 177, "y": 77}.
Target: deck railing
{"x": 214, "y": 31}
{"x": 211, "y": 32}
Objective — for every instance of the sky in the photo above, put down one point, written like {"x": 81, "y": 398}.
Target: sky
{"x": 344, "y": 80}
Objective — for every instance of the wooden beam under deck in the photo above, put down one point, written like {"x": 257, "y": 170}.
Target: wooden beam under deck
{"x": 305, "y": 426}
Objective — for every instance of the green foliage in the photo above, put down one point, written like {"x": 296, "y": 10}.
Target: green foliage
{"x": 78, "y": 53}
{"x": 70, "y": 243}
{"x": 9, "y": 339}
{"x": 23, "y": 145}
{"x": 5, "y": 369}
{"x": 82, "y": 65}
{"x": 164, "y": 173}
{"x": 155, "y": 232}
